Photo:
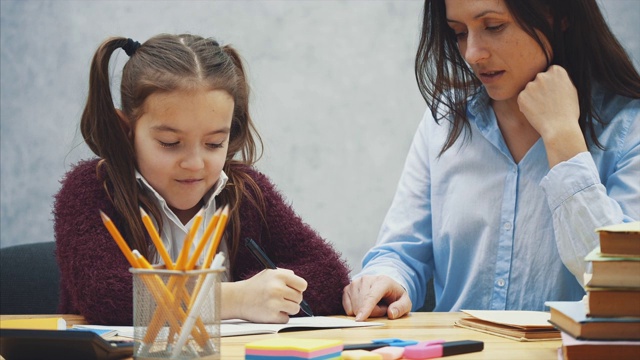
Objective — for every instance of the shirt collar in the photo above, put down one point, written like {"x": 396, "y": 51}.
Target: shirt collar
{"x": 208, "y": 198}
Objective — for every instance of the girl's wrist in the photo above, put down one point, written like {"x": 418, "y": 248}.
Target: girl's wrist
{"x": 231, "y": 300}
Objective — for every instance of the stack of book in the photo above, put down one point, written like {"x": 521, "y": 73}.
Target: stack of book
{"x": 606, "y": 323}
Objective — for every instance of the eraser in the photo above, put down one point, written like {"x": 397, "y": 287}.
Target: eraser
{"x": 360, "y": 355}
{"x": 390, "y": 352}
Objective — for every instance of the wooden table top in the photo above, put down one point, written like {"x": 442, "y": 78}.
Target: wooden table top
{"x": 415, "y": 326}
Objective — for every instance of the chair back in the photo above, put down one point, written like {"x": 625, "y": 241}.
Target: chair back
{"x": 29, "y": 279}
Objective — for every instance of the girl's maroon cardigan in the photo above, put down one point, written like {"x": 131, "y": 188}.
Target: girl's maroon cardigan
{"x": 95, "y": 279}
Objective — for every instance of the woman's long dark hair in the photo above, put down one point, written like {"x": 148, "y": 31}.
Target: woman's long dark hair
{"x": 581, "y": 42}
{"x": 167, "y": 63}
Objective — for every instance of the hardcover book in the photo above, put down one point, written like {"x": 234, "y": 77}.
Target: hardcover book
{"x": 620, "y": 239}
{"x": 590, "y": 349}
{"x": 613, "y": 271}
{"x": 613, "y": 302}
{"x": 571, "y": 317}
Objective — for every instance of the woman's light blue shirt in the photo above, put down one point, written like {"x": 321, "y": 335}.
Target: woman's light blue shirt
{"x": 500, "y": 235}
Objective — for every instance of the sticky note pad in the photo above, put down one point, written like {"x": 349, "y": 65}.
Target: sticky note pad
{"x": 360, "y": 355}
{"x": 293, "y": 349}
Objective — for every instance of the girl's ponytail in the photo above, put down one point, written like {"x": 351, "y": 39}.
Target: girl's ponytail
{"x": 111, "y": 139}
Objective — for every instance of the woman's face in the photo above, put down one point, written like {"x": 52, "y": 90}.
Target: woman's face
{"x": 181, "y": 144}
{"x": 502, "y": 55}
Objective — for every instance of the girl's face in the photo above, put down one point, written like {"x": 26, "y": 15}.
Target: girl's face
{"x": 502, "y": 55}
{"x": 181, "y": 144}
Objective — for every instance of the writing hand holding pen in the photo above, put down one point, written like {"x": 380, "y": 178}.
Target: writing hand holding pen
{"x": 268, "y": 264}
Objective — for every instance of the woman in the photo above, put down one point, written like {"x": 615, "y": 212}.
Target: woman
{"x": 532, "y": 141}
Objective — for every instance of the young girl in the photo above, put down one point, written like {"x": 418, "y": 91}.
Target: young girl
{"x": 532, "y": 141}
{"x": 182, "y": 141}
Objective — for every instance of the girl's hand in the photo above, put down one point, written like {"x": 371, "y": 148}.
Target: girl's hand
{"x": 550, "y": 103}
{"x": 268, "y": 297}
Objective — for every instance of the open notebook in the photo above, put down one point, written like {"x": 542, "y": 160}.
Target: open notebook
{"x": 242, "y": 327}
{"x": 235, "y": 327}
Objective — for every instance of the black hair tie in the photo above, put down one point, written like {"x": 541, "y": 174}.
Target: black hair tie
{"x": 130, "y": 47}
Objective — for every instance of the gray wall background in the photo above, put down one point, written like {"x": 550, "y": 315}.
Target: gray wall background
{"x": 334, "y": 97}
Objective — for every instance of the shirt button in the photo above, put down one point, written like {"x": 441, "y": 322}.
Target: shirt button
{"x": 500, "y": 282}
{"x": 507, "y": 226}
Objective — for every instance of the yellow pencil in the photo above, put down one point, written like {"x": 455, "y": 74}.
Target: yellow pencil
{"x": 177, "y": 285}
{"x": 115, "y": 234}
{"x": 179, "y": 289}
{"x": 184, "y": 253}
{"x": 204, "y": 240}
{"x": 170, "y": 306}
{"x": 164, "y": 300}
{"x": 155, "y": 237}
{"x": 217, "y": 235}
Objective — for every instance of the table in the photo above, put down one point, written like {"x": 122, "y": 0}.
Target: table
{"x": 414, "y": 326}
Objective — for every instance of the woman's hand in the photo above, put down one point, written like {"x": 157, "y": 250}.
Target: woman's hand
{"x": 268, "y": 297}
{"x": 550, "y": 103}
{"x": 375, "y": 296}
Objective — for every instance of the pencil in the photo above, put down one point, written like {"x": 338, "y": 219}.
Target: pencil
{"x": 184, "y": 253}
{"x": 217, "y": 235}
{"x": 194, "y": 312}
{"x": 164, "y": 299}
{"x": 204, "y": 240}
{"x": 115, "y": 234}
{"x": 176, "y": 285}
{"x": 155, "y": 237}
{"x": 168, "y": 304}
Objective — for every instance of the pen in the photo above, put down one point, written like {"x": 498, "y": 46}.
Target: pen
{"x": 440, "y": 348}
{"x": 366, "y": 346}
{"x": 267, "y": 263}
{"x": 378, "y": 343}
